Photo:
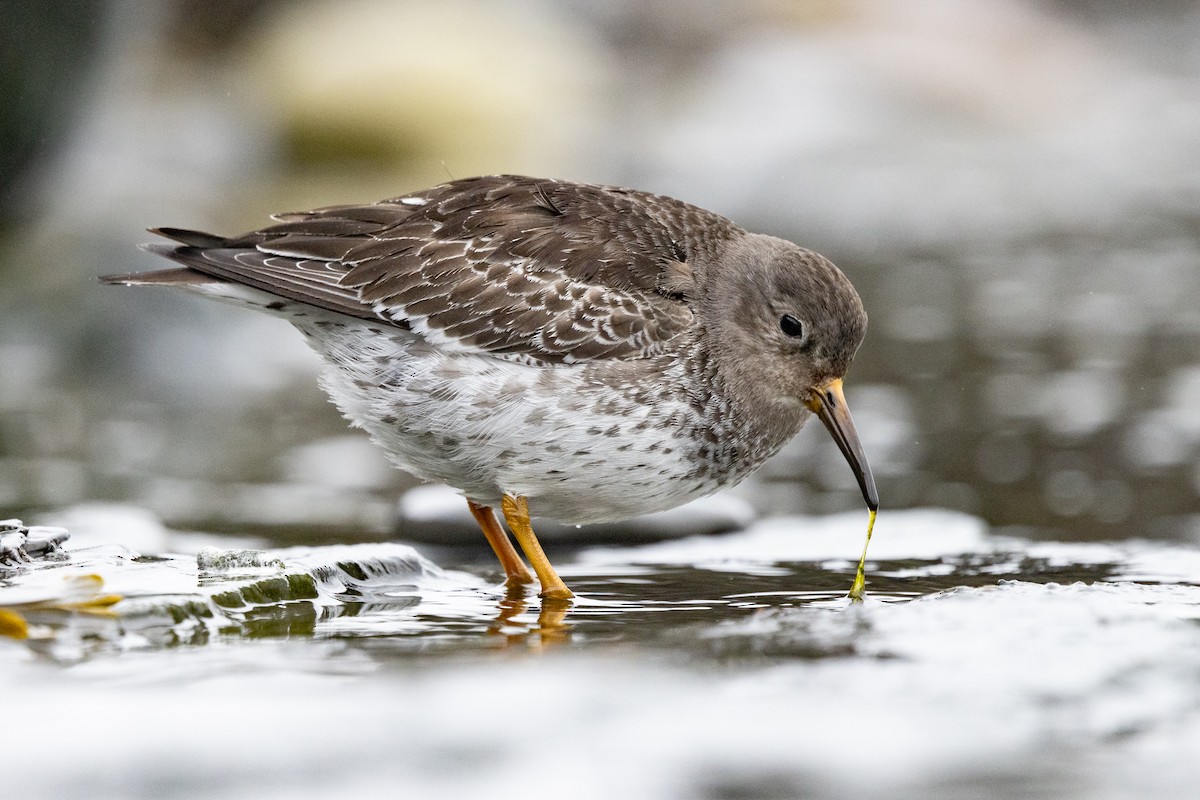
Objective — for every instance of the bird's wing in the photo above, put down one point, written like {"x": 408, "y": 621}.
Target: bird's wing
{"x": 534, "y": 270}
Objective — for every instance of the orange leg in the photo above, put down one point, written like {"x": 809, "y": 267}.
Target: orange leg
{"x": 514, "y": 567}
{"x": 516, "y": 512}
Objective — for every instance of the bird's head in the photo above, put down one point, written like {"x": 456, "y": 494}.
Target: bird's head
{"x": 795, "y": 326}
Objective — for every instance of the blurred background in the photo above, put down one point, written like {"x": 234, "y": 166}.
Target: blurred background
{"x": 1013, "y": 186}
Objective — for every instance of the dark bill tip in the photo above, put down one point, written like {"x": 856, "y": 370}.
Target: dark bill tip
{"x": 829, "y": 404}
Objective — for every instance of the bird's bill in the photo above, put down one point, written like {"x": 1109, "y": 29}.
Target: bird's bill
{"x": 829, "y": 404}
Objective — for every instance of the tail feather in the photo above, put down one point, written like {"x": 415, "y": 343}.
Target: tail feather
{"x": 234, "y": 270}
{"x": 171, "y": 277}
{"x": 190, "y": 238}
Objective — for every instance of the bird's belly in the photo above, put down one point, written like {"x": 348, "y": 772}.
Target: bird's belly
{"x": 580, "y": 449}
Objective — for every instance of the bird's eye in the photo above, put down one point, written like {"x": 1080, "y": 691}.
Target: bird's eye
{"x": 791, "y": 326}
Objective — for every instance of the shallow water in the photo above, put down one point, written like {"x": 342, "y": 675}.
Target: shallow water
{"x": 716, "y": 666}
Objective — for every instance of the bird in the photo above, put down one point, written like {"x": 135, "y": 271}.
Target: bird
{"x": 582, "y": 352}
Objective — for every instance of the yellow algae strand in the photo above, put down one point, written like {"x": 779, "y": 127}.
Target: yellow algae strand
{"x": 13, "y": 624}
{"x": 860, "y": 576}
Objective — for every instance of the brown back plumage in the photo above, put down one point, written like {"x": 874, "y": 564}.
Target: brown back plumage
{"x": 538, "y": 270}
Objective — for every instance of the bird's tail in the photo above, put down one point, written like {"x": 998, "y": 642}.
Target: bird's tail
{"x": 169, "y": 277}
{"x": 172, "y": 277}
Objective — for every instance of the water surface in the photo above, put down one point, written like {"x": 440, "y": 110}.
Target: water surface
{"x": 715, "y": 666}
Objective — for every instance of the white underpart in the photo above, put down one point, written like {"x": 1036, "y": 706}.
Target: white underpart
{"x": 489, "y": 427}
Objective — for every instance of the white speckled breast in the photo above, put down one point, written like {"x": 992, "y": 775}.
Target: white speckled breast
{"x": 584, "y": 445}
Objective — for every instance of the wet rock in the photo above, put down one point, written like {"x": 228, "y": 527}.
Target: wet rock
{"x": 20, "y": 543}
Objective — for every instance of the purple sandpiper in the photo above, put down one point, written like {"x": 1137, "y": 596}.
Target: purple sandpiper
{"x": 590, "y": 353}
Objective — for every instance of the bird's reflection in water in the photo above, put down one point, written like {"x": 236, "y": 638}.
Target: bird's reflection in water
{"x": 551, "y": 627}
